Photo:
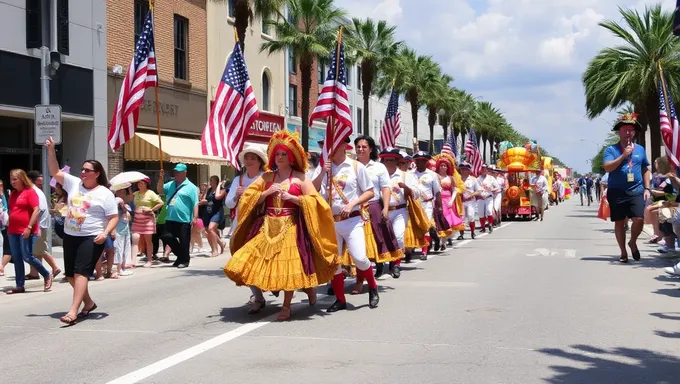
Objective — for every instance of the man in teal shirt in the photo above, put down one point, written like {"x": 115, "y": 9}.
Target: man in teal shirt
{"x": 182, "y": 211}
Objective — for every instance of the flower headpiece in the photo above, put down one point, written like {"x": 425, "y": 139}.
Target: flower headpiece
{"x": 292, "y": 142}
{"x": 445, "y": 158}
{"x": 627, "y": 119}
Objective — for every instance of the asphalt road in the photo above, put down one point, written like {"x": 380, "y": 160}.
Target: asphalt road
{"x": 531, "y": 303}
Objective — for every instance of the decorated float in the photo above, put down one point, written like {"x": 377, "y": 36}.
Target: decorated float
{"x": 519, "y": 163}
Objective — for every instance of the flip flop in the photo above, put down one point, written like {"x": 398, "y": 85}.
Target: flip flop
{"x": 68, "y": 319}
{"x": 86, "y": 312}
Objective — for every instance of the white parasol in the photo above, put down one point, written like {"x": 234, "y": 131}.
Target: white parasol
{"x": 126, "y": 179}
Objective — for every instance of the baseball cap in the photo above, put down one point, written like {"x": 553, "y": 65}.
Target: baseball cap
{"x": 181, "y": 167}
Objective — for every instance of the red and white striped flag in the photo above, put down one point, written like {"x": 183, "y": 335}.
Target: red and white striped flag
{"x": 670, "y": 129}
{"x": 140, "y": 75}
{"x": 334, "y": 105}
{"x": 391, "y": 129}
{"x": 474, "y": 157}
{"x": 234, "y": 110}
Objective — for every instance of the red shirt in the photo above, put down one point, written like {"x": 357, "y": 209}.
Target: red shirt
{"x": 21, "y": 205}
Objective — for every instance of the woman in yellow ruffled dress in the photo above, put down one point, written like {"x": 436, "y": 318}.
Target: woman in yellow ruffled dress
{"x": 285, "y": 236}
{"x": 417, "y": 225}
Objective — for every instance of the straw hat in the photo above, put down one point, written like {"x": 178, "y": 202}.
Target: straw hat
{"x": 255, "y": 150}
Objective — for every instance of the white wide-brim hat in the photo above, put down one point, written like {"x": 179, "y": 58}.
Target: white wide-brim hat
{"x": 255, "y": 150}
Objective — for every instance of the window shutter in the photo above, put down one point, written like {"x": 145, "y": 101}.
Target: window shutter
{"x": 62, "y": 27}
{"x": 33, "y": 23}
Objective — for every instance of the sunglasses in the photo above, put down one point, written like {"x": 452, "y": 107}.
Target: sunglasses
{"x": 87, "y": 170}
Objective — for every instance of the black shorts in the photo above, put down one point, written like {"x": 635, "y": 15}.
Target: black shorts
{"x": 666, "y": 229}
{"x": 81, "y": 255}
{"x": 622, "y": 205}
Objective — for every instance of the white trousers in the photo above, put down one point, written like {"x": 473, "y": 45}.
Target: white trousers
{"x": 351, "y": 232}
{"x": 497, "y": 202}
{"x": 469, "y": 210}
{"x": 485, "y": 207}
{"x": 399, "y": 218}
{"x": 123, "y": 249}
{"x": 429, "y": 209}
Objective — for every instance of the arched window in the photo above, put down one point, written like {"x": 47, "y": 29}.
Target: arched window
{"x": 265, "y": 91}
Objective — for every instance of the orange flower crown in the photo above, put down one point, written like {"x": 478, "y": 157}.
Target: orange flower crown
{"x": 627, "y": 119}
{"x": 292, "y": 142}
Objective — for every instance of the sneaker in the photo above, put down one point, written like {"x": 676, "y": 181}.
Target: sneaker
{"x": 663, "y": 249}
{"x": 126, "y": 272}
{"x": 674, "y": 270}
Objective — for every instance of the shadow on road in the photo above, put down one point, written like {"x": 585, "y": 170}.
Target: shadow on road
{"x": 595, "y": 365}
{"x": 590, "y": 215}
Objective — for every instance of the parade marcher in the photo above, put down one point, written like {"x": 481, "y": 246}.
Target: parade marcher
{"x": 291, "y": 244}
{"x": 430, "y": 193}
{"x": 403, "y": 186}
{"x": 350, "y": 188}
{"x": 472, "y": 190}
{"x": 380, "y": 229}
{"x": 417, "y": 225}
{"x": 485, "y": 201}
{"x": 452, "y": 189}
{"x": 628, "y": 183}
{"x": 541, "y": 194}
{"x": 253, "y": 161}
{"x": 498, "y": 197}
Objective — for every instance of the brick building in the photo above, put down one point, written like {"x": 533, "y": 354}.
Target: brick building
{"x": 181, "y": 55}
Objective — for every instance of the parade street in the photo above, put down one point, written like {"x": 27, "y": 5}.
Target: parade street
{"x": 533, "y": 302}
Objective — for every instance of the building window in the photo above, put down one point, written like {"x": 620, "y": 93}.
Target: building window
{"x": 266, "y": 28}
{"x": 232, "y": 8}
{"x": 181, "y": 40}
{"x": 349, "y": 77}
{"x": 292, "y": 63}
{"x": 360, "y": 120}
{"x": 320, "y": 72}
{"x": 265, "y": 91}
{"x": 292, "y": 100}
{"x": 141, "y": 9}
{"x": 359, "y": 77}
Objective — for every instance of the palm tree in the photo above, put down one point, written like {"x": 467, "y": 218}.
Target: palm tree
{"x": 309, "y": 32}
{"x": 245, "y": 10}
{"x": 629, "y": 73}
{"x": 435, "y": 99}
{"x": 412, "y": 75}
{"x": 464, "y": 112}
{"x": 374, "y": 46}
{"x": 488, "y": 118}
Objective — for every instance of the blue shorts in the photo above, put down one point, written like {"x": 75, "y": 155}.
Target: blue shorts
{"x": 216, "y": 218}
{"x": 108, "y": 243}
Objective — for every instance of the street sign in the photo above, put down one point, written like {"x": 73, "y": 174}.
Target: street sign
{"x": 47, "y": 123}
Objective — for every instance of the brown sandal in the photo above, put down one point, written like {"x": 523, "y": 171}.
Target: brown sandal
{"x": 256, "y": 306}
{"x": 68, "y": 319}
{"x": 284, "y": 315}
{"x": 16, "y": 290}
{"x": 48, "y": 283}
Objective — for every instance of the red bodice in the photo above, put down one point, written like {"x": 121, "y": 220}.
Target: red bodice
{"x": 274, "y": 203}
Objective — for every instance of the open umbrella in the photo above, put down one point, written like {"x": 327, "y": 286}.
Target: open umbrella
{"x": 125, "y": 179}
{"x": 53, "y": 181}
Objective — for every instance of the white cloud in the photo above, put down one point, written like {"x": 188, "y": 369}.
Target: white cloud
{"x": 525, "y": 56}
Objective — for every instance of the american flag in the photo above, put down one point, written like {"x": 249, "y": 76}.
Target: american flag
{"x": 450, "y": 146}
{"x": 234, "y": 110}
{"x": 140, "y": 75}
{"x": 391, "y": 129}
{"x": 334, "y": 105}
{"x": 670, "y": 129}
{"x": 472, "y": 152}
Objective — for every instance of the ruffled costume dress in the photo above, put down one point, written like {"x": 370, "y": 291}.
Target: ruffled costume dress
{"x": 280, "y": 246}
{"x": 452, "y": 214}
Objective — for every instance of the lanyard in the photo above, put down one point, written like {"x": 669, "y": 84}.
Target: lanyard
{"x": 630, "y": 158}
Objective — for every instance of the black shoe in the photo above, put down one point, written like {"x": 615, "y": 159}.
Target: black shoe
{"x": 449, "y": 242}
{"x": 330, "y": 291}
{"x": 396, "y": 272}
{"x": 423, "y": 256}
{"x": 472, "y": 234}
{"x": 483, "y": 230}
{"x": 490, "y": 228}
{"x": 461, "y": 237}
{"x": 408, "y": 257}
{"x": 276, "y": 293}
{"x": 337, "y": 306}
{"x": 379, "y": 270}
{"x": 442, "y": 248}
{"x": 182, "y": 266}
{"x": 373, "y": 297}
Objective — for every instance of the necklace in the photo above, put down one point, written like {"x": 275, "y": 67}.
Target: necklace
{"x": 278, "y": 202}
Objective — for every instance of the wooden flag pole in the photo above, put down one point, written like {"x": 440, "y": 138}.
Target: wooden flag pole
{"x": 158, "y": 109}
{"x": 332, "y": 138}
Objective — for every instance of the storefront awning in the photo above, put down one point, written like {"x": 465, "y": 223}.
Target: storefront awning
{"x": 144, "y": 147}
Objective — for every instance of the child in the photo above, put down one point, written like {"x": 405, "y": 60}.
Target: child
{"x": 122, "y": 245}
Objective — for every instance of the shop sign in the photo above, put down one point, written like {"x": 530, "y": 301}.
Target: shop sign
{"x": 265, "y": 125}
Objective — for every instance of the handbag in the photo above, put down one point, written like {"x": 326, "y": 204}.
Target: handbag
{"x": 4, "y": 219}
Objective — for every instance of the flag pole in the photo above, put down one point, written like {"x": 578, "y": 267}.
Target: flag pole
{"x": 665, "y": 101}
{"x": 158, "y": 109}
{"x": 332, "y": 122}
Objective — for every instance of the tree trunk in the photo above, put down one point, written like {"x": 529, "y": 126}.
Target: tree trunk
{"x": 306, "y": 73}
{"x": 413, "y": 100}
{"x": 431, "y": 120}
{"x": 241, "y": 18}
{"x": 652, "y": 114}
{"x": 367, "y": 85}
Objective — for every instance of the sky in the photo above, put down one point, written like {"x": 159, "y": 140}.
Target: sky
{"x": 524, "y": 56}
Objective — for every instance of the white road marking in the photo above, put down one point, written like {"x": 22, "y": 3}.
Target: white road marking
{"x": 543, "y": 252}
{"x": 179, "y": 357}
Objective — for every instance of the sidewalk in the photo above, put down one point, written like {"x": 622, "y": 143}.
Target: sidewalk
{"x": 7, "y": 281}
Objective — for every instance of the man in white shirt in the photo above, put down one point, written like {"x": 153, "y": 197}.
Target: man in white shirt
{"x": 40, "y": 247}
{"x": 498, "y": 197}
{"x": 540, "y": 193}
{"x": 430, "y": 192}
{"x": 486, "y": 200}
{"x": 350, "y": 188}
{"x": 472, "y": 190}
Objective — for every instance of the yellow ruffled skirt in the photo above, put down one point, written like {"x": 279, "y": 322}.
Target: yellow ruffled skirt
{"x": 271, "y": 260}
{"x": 371, "y": 250}
{"x": 410, "y": 239}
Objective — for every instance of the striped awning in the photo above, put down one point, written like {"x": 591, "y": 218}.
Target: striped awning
{"x": 144, "y": 147}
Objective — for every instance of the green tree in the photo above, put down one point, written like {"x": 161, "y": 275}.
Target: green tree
{"x": 245, "y": 10}
{"x": 308, "y": 32}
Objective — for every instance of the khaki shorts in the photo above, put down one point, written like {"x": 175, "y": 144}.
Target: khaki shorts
{"x": 40, "y": 247}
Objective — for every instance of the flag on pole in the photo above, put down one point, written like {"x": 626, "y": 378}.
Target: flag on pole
{"x": 141, "y": 75}
{"x": 450, "y": 146}
{"x": 234, "y": 110}
{"x": 333, "y": 103}
{"x": 474, "y": 157}
{"x": 670, "y": 129}
{"x": 391, "y": 128}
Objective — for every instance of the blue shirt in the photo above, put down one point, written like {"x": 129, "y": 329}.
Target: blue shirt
{"x": 618, "y": 178}
{"x": 181, "y": 207}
